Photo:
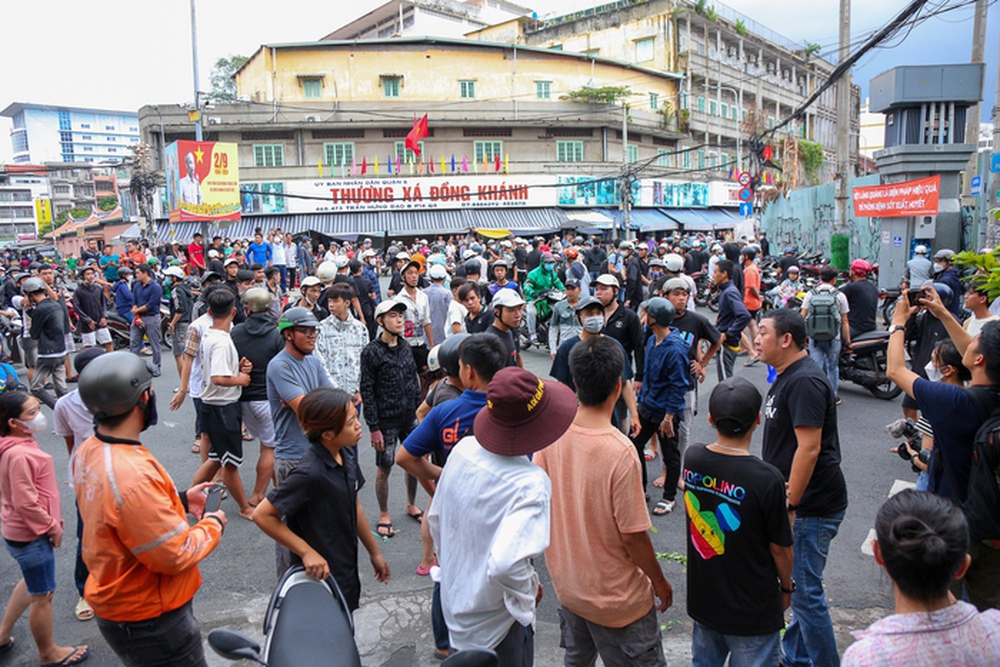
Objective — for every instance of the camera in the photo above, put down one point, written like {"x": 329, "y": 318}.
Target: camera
{"x": 911, "y": 446}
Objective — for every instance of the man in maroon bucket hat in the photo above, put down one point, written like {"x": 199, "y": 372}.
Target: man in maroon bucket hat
{"x": 490, "y": 516}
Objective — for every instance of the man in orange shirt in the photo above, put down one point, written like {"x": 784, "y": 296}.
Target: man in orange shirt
{"x": 142, "y": 554}
{"x": 601, "y": 559}
{"x": 752, "y": 299}
{"x": 135, "y": 254}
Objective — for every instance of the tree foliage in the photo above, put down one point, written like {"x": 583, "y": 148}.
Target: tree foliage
{"x": 223, "y": 78}
{"x": 812, "y": 156}
{"x": 605, "y": 95}
{"x": 987, "y": 266}
{"x": 107, "y": 203}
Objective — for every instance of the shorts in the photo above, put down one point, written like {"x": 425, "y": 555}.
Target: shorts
{"x": 420, "y": 354}
{"x": 392, "y": 436}
{"x": 257, "y": 419}
{"x": 70, "y": 343}
{"x": 910, "y": 403}
{"x": 177, "y": 340}
{"x": 30, "y": 348}
{"x": 100, "y": 336}
{"x": 222, "y": 425}
{"x": 37, "y": 562}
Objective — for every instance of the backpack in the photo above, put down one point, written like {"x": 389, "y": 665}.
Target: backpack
{"x": 823, "y": 317}
{"x": 9, "y": 379}
{"x": 982, "y": 505}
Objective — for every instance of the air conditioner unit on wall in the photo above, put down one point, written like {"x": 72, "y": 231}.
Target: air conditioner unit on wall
{"x": 312, "y": 119}
{"x": 214, "y": 120}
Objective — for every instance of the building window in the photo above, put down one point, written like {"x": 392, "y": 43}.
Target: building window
{"x": 64, "y": 121}
{"x": 111, "y": 139}
{"x": 339, "y": 153}
{"x": 662, "y": 157}
{"x": 725, "y": 110}
{"x": 487, "y": 150}
{"x": 644, "y": 50}
{"x": 133, "y": 129}
{"x": 312, "y": 89}
{"x": 87, "y": 137}
{"x": 268, "y": 155}
{"x": 633, "y": 153}
{"x": 701, "y": 159}
{"x": 467, "y": 90}
{"x": 770, "y": 122}
{"x": 19, "y": 140}
{"x": 733, "y": 111}
{"x": 713, "y": 108}
{"x": 654, "y": 101}
{"x": 744, "y": 114}
{"x": 687, "y": 159}
{"x": 569, "y": 151}
{"x": 712, "y": 157}
{"x": 723, "y": 160}
{"x": 109, "y": 127}
{"x": 390, "y": 86}
{"x": 406, "y": 154}
{"x": 84, "y": 126}
{"x": 60, "y": 189}
{"x": 543, "y": 90}
{"x": 701, "y": 104}
{"x": 685, "y": 101}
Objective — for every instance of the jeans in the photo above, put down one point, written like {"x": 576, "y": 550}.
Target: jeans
{"x": 45, "y": 368}
{"x": 636, "y": 644}
{"x": 668, "y": 446}
{"x": 80, "y": 571}
{"x": 171, "y": 640}
{"x": 725, "y": 359}
{"x": 809, "y": 638}
{"x": 283, "y": 270}
{"x": 152, "y": 331}
{"x": 517, "y": 649}
{"x": 532, "y": 312}
{"x": 710, "y": 649}
{"x": 438, "y": 624}
{"x": 826, "y": 353}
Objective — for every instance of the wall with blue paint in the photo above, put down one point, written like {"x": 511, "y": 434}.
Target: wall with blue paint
{"x": 805, "y": 220}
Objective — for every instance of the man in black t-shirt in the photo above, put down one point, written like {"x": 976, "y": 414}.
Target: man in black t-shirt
{"x": 862, "y": 297}
{"x": 508, "y": 307}
{"x": 801, "y": 441}
{"x": 739, "y": 577}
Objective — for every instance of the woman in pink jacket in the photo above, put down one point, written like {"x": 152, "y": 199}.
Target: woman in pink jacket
{"x": 32, "y": 525}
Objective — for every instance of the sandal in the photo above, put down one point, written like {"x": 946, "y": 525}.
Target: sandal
{"x": 418, "y": 517}
{"x": 389, "y": 530}
{"x": 5, "y": 648}
{"x": 649, "y": 454}
{"x": 424, "y": 572}
{"x": 663, "y": 507}
{"x": 83, "y": 611}
{"x": 247, "y": 437}
{"x": 196, "y": 448}
{"x": 74, "y": 658}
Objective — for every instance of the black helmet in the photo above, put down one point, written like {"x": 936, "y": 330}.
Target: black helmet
{"x": 297, "y": 317}
{"x": 472, "y": 266}
{"x": 660, "y": 311}
{"x": 449, "y": 353}
{"x": 124, "y": 271}
{"x": 112, "y": 383}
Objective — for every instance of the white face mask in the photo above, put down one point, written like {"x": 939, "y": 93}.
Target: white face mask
{"x": 593, "y": 324}
{"x": 933, "y": 372}
{"x": 36, "y": 425}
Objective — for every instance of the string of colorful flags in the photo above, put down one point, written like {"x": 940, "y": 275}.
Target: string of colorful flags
{"x": 411, "y": 164}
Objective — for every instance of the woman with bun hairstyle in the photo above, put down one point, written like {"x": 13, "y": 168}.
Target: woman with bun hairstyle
{"x": 32, "y": 526}
{"x": 922, "y": 541}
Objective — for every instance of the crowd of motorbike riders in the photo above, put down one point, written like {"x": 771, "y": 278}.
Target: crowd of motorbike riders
{"x": 529, "y": 292}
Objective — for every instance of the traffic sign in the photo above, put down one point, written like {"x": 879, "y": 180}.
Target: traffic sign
{"x": 744, "y": 178}
{"x": 975, "y": 185}
{"x": 745, "y": 194}
{"x": 746, "y": 209}
{"x": 995, "y": 163}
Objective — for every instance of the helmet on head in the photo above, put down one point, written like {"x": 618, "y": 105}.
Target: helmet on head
{"x": 472, "y": 267}
{"x": 448, "y": 353}
{"x": 340, "y": 261}
{"x": 297, "y": 317}
{"x": 124, "y": 271}
{"x": 548, "y": 258}
{"x": 945, "y": 254}
{"x": 174, "y": 272}
{"x": 943, "y": 290}
{"x": 920, "y": 250}
{"x": 660, "y": 311}
{"x": 112, "y": 383}
{"x": 861, "y": 267}
{"x": 433, "y": 359}
{"x": 676, "y": 284}
{"x": 572, "y": 253}
{"x": 326, "y": 271}
{"x": 257, "y": 300}
{"x": 32, "y": 285}
{"x": 626, "y": 245}
{"x": 673, "y": 262}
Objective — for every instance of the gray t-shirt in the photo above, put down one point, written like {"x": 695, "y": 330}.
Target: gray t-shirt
{"x": 287, "y": 379}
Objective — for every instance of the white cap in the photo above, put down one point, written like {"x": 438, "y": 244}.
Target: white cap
{"x": 507, "y": 298}
{"x": 437, "y": 272}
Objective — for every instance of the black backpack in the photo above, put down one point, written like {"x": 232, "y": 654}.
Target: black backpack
{"x": 982, "y": 505}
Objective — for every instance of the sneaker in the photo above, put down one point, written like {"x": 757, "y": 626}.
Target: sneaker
{"x": 836, "y": 399}
{"x": 146, "y": 351}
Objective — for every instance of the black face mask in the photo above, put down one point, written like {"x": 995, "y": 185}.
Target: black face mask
{"x": 149, "y": 414}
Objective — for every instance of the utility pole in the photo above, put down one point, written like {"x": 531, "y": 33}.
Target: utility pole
{"x": 843, "y": 121}
{"x": 972, "y": 124}
{"x": 626, "y": 180}
{"x": 993, "y": 198}
{"x": 194, "y": 64}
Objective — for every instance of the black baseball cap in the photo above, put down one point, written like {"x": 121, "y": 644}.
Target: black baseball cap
{"x": 734, "y": 405}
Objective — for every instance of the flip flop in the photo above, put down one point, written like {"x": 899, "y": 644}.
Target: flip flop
{"x": 83, "y": 611}
{"x": 663, "y": 507}
{"x": 424, "y": 572}
{"x": 390, "y": 531}
{"x": 196, "y": 448}
{"x": 752, "y": 362}
{"x": 247, "y": 437}
{"x": 418, "y": 517}
{"x": 7, "y": 647}
{"x": 70, "y": 659}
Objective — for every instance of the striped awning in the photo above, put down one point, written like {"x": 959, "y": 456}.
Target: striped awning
{"x": 703, "y": 219}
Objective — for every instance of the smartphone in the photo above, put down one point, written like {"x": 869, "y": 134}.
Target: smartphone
{"x": 213, "y": 498}
{"x": 913, "y": 294}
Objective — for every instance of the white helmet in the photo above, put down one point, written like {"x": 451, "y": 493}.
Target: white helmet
{"x": 920, "y": 250}
{"x": 673, "y": 262}
{"x": 326, "y": 271}
{"x": 340, "y": 261}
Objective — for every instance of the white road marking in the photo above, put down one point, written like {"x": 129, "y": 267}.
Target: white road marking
{"x": 897, "y": 486}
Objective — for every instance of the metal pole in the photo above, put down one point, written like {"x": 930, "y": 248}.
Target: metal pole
{"x": 843, "y": 121}
{"x": 194, "y": 66}
{"x": 626, "y": 209}
{"x": 993, "y": 198}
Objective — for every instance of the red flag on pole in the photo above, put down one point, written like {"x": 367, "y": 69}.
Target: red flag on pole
{"x": 496, "y": 162}
{"x": 364, "y": 165}
{"x": 419, "y": 131}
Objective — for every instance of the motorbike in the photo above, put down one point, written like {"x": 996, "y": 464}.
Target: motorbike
{"x": 309, "y": 623}
{"x": 704, "y": 287}
{"x": 888, "y": 297}
{"x": 119, "y": 328}
{"x": 544, "y": 303}
{"x": 865, "y": 364}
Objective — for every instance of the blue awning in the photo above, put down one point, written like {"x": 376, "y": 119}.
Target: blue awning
{"x": 702, "y": 219}
{"x": 643, "y": 219}
{"x": 374, "y": 223}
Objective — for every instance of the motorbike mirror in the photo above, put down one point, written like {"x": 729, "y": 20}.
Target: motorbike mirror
{"x": 472, "y": 658}
{"x": 234, "y": 645}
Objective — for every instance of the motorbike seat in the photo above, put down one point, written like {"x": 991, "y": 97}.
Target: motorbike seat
{"x": 870, "y": 337}
{"x": 113, "y": 315}
{"x": 311, "y": 628}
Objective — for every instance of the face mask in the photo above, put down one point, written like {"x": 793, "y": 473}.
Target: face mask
{"x": 593, "y": 324}
{"x": 149, "y": 414}
{"x": 550, "y": 267}
{"x": 938, "y": 268}
{"x": 166, "y": 281}
{"x": 36, "y": 425}
{"x": 933, "y": 372}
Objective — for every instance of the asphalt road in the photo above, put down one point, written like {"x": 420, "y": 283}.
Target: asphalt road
{"x": 239, "y": 575}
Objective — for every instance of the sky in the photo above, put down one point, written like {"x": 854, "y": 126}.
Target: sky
{"x": 123, "y": 54}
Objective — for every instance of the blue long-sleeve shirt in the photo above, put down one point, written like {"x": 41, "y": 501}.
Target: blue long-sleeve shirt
{"x": 149, "y": 295}
{"x": 667, "y": 377}
{"x": 733, "y": 315}
{"x": 259, "y": 253}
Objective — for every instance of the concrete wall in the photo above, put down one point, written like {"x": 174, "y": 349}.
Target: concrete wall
{"x": 805, "y": 220}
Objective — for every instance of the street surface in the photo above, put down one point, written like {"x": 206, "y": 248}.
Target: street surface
{"x": 393, "y": 624}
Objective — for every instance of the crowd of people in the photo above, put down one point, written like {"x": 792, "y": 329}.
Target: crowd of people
{"x": 293, "y": 345}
